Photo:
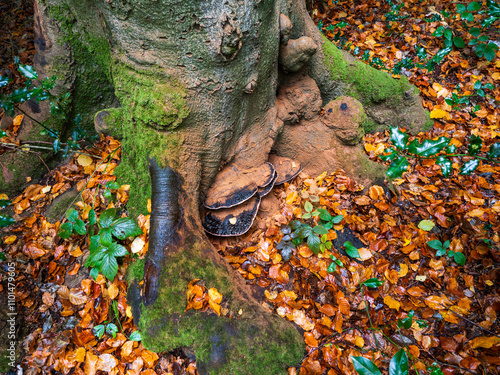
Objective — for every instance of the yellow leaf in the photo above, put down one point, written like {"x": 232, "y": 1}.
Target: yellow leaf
{"x": 214, "y": 295}
{"x": 439, "y": 113}
{"x": 403, "y": 269}
{"x": 214, "y": 306}
{"x": 17, "y": 120}
{"x": 290, "y": 198}
{"x": 359, "y": 341}
{"x": 80, "y": 355}
{"x": 364, "y": 253}
{"x": 484, "y": 342}
{"x": 392, "y": 303}
{"x": 84, "y": 160}
{"x": 113, "y": 291}
{"x": 9, "y": 239}
{"x": 495, "y": 76}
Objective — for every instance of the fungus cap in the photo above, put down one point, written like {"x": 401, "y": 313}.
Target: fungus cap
{"x": 286, "y": 168}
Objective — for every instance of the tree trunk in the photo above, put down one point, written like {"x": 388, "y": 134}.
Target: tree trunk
{"x": 203, "y": 85}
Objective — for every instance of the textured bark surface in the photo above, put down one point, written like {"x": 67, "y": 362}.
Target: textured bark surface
{"x": 199, "y": 87}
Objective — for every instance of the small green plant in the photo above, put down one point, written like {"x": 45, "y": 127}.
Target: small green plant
{"x": 399, "y": 365}
{"x": 104, "y": 250}
{"x": 110, "y": 328}
{"x": 431, "y": 149}
{"x": 5, "y": 220}
{"x": 442, "y": 249}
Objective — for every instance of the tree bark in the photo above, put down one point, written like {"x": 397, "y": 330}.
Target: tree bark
{"x": 200, "y": 87}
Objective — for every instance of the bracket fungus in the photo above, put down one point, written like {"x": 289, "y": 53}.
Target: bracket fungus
{"x": 234, "y": 198}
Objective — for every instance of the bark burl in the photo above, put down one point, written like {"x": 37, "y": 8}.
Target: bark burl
{"x": 204, "y": 85}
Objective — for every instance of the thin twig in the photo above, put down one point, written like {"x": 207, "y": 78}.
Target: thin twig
{"x": 471, "y": 322}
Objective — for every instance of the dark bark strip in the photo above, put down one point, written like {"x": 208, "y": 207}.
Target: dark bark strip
{"x": 165, "y": 222}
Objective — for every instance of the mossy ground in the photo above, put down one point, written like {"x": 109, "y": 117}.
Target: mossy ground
{"x": 257, "y": 342}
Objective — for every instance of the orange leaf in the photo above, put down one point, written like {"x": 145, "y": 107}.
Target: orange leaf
{"x": 392, "y": 303}
{"x": 310, "y": 340}
{"x": 484, "y": 342}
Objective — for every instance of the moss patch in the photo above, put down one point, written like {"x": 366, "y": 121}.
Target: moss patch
{"x": 364, "y": 83}
{"x": 254, "y": 342}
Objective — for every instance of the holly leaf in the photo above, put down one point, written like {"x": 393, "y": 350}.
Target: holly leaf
{"x": 65, "y": 230}
{"x": 6, "y": 220}
{"x": 4, "y": 203}
{"x": 351, "y": 250}
{"x": 364, "y": 366}
{"x": 445, "y": 165}
{"x": 4, "y": 81}
{"x": 469, "y": 167}
{"x": 125, "y": 227}
{"x": 494, "y": 151}
{"x": 397, "y": 167}
{"x": 28, "y": 71}
{"x": 428, "y": 147}
{"x": 399, "y": 138}
{"x": 475, "y": 144}
{"x": 373, "y": 283}
{"x": 399, "y": 364}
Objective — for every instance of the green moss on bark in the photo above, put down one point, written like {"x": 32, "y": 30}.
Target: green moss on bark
{"x": 257, "y": 342}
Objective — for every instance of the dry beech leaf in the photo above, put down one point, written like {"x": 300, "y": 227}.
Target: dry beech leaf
{"x": 392, "y": 303}
{"x": 77, "y": 296}
{"x": 484, "y": 342}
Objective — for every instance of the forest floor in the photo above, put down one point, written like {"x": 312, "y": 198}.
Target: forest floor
{"x": 424, "y": 277}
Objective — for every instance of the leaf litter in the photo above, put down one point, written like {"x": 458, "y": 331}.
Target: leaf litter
{"x": 451, "y": 308}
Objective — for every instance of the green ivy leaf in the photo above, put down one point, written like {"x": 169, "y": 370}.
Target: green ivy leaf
{"x": 364, "y": 366}
{"x": 351, "y": 250}
{"x": 441, "y": 252}
{"x": 426, "y": 225}
{"x": 313, "y": 242}
{"x": 451, "y": 149}
{"x": 474, "y": 6}
{"x": 428, "y": 147}
{"x": 458, "y": 42}
{"x": 448, "y": 34}
{"x": 445, "y": 165}
{"x": 72, "y": 215}
{"x": 399, "y": 138}
{"x": 108, "y": 266}
{"x": 490, "y": 52}
{"x": 319, "y": 229}
{"x": 469, "y": 167}
{"x": 65, "y": 230}
{"x": 106, "y": 236}
{"x": 107, "y": 217}
{"x": 397, "y": 167}
{"x": 494, "y": 151}
{"x": 79, "y": 227}
{"x": 6, "y": 220}
{"x": 435, "y": 244}
{"x": 28, "y": 71}
{"x": 399, "y": 363}
{"x": 475, "y": 144}
{"x": 99, "y": 330}
{"x": 92, "y": 217}
{"x": 373, "y": 283}
{"x": 3, "y": 133}
{"x": 135, "y": 336}
{"x": 475, "y": 31}
{"x": 305, "y": 231}
{"x": 111, "y": 329}
{"x": 331, "y": 267}
{"x": 125, "y": 227}
{"x": 324, "y": 214}
{"x": 459, "y": 258}
{"x": 337, "y": 219}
